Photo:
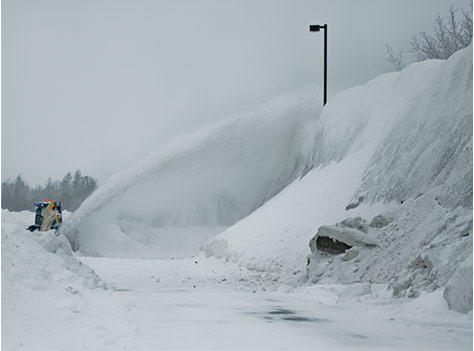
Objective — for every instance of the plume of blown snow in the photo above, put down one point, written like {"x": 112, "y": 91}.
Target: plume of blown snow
{"x": 210, "y": 178}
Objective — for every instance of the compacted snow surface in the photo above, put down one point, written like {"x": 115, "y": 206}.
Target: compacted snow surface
{"x": 202, "y": 304}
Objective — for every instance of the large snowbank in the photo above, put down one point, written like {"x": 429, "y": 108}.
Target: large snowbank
{"x": 402, "y": 142}
{"x": 207, "y": 179}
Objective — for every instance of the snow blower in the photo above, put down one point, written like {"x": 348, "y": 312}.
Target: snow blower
{"x": 48, "y": 216}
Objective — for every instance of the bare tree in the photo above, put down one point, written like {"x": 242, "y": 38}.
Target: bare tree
{"x": 395, "y": 59}
{"x": 467, "y": 26}
{"x": 450, "y": 35}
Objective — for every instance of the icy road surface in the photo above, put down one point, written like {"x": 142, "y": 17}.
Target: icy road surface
{"x": 204, "y": 304}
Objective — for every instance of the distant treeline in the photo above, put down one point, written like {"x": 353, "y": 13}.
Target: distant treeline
{"x": 17, "y": 195}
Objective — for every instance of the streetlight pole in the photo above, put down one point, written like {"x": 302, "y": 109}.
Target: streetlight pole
{"x": 317, "y": 28}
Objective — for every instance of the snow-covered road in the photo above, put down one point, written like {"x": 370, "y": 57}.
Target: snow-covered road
{"x": 204, "y": 304}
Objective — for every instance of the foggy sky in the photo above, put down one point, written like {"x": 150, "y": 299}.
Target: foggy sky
{"x": 98, "y": 84}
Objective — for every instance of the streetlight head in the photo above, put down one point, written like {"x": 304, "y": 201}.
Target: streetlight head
{"x": 315, "y": 27}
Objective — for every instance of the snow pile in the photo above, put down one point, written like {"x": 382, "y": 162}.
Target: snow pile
{"x": 42, "y": 283}
{"x": 39, "y": 260}
{"x": 209, "y": 179}
{"x": 39, "y": 275}
{"x": 402, "y": 146}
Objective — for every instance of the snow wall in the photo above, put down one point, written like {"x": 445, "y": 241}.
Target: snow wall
{"x": 170, "y": 203}
{"x": 399, "y": 146}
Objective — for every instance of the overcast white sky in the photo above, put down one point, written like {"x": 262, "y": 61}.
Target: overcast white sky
{"x": 98, "y": 84}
